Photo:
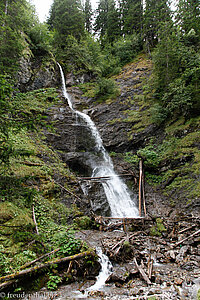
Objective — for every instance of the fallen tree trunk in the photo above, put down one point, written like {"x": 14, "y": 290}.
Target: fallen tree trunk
{"x": 38, "y": 259}
{"x": 6, "y": 284}
{"x": 45, "y": 265}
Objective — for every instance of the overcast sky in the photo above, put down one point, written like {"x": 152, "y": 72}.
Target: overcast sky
{"x": 43, "y": 6}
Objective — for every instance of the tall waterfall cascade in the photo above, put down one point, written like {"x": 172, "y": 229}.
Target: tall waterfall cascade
{"x": 116, "y": 191}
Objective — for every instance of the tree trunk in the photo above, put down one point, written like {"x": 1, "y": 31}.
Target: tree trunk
{"x": 45, "y": 265}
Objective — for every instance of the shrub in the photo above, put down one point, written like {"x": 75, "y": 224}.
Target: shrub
{"x": 106, "y": 88}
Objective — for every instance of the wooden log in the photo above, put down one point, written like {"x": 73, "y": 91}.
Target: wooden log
{"x": 105, "y": 177}
{"x": 45, "y": 265}
{"x": 7, "y": 284}
{"x": 35, "y": 222}
{"x": 38, "y": 259}
{"x": 145, "y": 277}
{"x": 140, "y": 189}
{"x": 124, "y": 224}
{"x": 187, "y": 238}
{"x": 143, "y": 195}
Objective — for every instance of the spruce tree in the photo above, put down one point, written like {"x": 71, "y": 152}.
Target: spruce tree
{"x": 157, "y": 13}
{"x": 132, "y": 16}
{"x": 107, "y": 23}
{"x": 16, "y": 18}
{"x": 88, "y": 15}
{"x": 66, "y": 18}
{"x": 188, "y": 18}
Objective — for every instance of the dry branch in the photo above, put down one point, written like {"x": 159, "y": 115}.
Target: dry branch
{"x": 143, "y": 194}
{"x": 186, "y": 229}
{"x": 34, "y": 220}
{"x": 145, "y": 277}
{"x": 105, "y": 177}
{"x": 68, "y": 191}
{"x": 6, "y": 284}
{"x": 187, "y": 238}
{"x": 45, "y": 265}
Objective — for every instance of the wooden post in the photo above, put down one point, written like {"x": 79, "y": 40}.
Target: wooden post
{"x": 143, "y": 194}
{"x": 140, "y": 189}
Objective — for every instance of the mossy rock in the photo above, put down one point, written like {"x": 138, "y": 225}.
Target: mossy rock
{"x": 8, "y": 211}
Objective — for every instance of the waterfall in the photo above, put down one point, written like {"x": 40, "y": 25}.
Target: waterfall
{"x": 105, "y": 272}
{"x": 116, "y": 191}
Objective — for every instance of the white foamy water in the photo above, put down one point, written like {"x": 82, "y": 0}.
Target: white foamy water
{"x": 116, "y": 191}
{"x": 105, "y": 272}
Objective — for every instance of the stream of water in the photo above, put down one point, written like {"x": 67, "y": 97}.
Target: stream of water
{"x": 116, "y": 191}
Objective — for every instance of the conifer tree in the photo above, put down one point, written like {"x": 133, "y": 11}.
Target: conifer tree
{"x": 88, "y": 15}
{"x": 66, "y": 18}
{"x": 188, "y": 18}
{"x": 157, "y": 13}
{"x": 107, "y": 21}
{"x": 16, "y": 17}
{"x": 132, "y": 16}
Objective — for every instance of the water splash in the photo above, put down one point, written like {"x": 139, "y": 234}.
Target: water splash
{"x": 105, "y": 272}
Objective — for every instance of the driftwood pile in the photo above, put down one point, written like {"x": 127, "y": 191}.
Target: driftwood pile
{"x": 179, "y": 246}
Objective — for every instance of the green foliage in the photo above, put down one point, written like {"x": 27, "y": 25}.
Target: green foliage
{"x": 107, "y": 88}
{"x": 198, "y": 295}
{"x": 131, "y": 16}
{"x": 41, "y": 39}
{"x": 83, "y": 222}
{"x": 66, "y": 18}
{"x": 158, "y": 229}
{"x": 88, "y": 15}
{"x": 23, "y": 258}
{"x": 150, "y": 156}
{"x": 4, "y": 262}
{"x": 53, "y": 282}
{"x": 126, "y": 48}
{"x": 156, "y": 18}
{"x": 131, "y": 158}
{"x": 176, "y": 77}
{"x": 67, "y": 243}
{"x": 17, "y": 17}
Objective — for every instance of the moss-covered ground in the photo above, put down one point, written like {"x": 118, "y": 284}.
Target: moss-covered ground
{"x": 35, "y": 182}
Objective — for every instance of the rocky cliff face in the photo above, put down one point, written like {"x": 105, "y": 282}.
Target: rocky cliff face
{"x": 37, "y": 72}
{"x": 126, "y": 126}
